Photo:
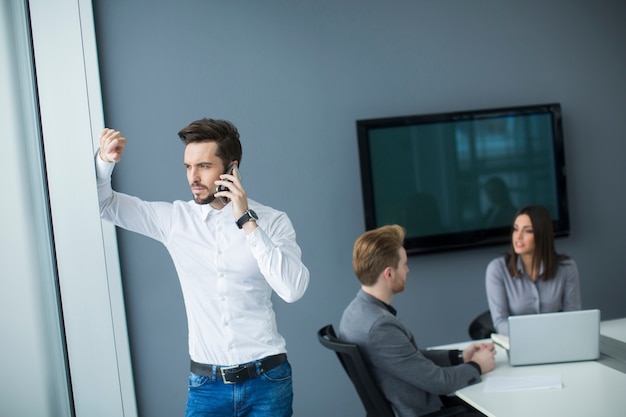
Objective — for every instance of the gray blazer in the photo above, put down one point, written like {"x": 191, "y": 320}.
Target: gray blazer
{"x": 411, "y": 379}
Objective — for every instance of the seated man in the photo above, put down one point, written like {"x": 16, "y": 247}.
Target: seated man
{"x": 414, "y": 381}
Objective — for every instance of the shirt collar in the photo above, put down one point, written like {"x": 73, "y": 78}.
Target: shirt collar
{"x": 207, "y": 211}
{"x": 390, "y": 308}
{"x": 520, "y": 267}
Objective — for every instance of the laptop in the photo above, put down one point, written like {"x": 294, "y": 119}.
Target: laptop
{"x": 554, "y": 337}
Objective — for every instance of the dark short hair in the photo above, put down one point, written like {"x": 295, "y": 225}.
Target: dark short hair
{"x": 223, "y": 132}
{"x": 376, "y": 250}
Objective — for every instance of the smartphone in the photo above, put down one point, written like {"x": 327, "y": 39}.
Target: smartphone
{"x": 229, "y": 171}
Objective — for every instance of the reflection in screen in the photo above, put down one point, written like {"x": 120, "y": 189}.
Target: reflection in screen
{"x": 459, "y": 176}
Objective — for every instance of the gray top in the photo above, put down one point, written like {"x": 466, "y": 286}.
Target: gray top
{"x": 511, "y": 296}
{"x": 411, "y": 379}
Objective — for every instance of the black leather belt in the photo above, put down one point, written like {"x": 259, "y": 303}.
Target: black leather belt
{"x": 238, "y": 373}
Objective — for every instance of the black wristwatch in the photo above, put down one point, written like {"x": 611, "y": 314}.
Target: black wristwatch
{"x": 247, "y": 216}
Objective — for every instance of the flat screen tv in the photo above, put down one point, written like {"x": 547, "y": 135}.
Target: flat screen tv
{"x": 454, "y": 180}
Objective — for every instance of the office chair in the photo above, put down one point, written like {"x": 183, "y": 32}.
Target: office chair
{"x": 481, "y": 327}
{"x": 375, "y": 403}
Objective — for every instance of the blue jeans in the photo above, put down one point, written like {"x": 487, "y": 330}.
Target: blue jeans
{"x": 270, "y": 394}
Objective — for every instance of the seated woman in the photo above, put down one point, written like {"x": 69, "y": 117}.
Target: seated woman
{"x": 532, "y": 278}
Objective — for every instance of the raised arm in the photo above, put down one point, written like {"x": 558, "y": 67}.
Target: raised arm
{"x": 112, "y": 145}
{"x": 274, "y": 245}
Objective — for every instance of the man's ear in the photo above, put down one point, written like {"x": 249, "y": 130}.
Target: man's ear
{"x": 388, "y": 273}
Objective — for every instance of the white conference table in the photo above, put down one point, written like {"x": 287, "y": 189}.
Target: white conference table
{"x": 590, "y": 388}
{"x": 615, "y": 329}
{"x": 613, "y": 344}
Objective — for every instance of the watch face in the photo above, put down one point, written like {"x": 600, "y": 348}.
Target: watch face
{"x": 253, "y": 215}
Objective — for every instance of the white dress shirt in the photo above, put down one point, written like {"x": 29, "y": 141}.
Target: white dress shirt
{"x": 226, "y": 276}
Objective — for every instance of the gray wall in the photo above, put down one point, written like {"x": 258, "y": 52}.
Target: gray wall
{"x": 294, "y": 76}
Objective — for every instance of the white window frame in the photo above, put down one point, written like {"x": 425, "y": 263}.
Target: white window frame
{"x": 71, "y": 112}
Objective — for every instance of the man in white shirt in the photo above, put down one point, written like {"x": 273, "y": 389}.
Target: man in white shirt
{"x": 230, "y": 253}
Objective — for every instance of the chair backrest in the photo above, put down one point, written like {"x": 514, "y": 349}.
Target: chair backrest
{"x": 350, "y": 357}
{"x": 481, "y": 327}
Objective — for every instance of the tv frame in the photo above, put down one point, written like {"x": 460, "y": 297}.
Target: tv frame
{"x": 474, "y": 238}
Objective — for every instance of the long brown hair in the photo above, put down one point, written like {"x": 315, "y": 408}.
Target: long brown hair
{"x": 545, "y": 251}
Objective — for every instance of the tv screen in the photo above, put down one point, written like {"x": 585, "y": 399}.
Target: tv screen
{"x": 455, "y": 180}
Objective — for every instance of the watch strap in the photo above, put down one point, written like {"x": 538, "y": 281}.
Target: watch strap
{"x": 247, "y": 216}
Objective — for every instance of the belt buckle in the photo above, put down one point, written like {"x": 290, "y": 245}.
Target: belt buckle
{"x": 227, "y": 368}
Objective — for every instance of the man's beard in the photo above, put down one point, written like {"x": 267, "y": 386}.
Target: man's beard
{"x": 207, "y": 200}
{"x": 202, "y": 201}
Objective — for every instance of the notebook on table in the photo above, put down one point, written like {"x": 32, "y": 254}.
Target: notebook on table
{"x": 552, "y": 337}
